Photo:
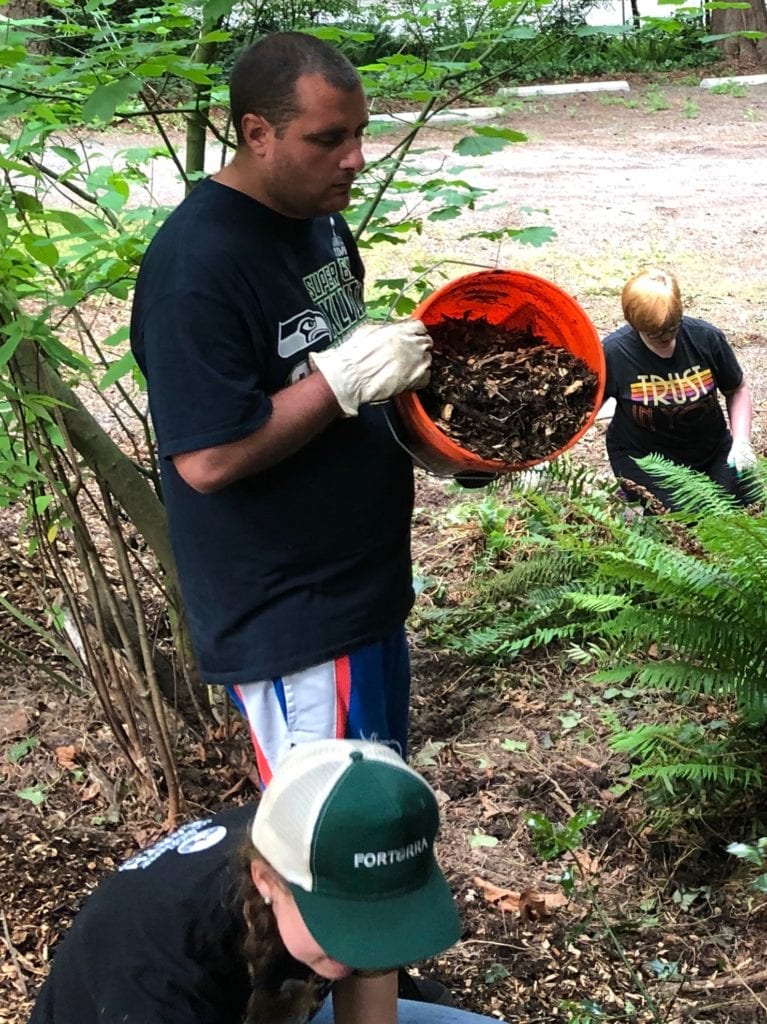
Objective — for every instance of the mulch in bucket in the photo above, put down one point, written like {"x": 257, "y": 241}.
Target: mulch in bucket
{"x": 518, "y": 375}
{"x": 506, "y": 395}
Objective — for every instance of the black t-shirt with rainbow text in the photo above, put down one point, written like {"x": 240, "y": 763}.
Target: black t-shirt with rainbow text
{"x": 670, "y": 406}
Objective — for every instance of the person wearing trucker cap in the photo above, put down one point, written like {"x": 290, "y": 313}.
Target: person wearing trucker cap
{"x": 246, "y": 918}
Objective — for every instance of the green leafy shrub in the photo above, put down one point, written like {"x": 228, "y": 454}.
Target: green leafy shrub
{"x": 678, "y": 602}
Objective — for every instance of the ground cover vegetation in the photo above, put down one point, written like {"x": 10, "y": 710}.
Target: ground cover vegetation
{"x": 667, "y": 614}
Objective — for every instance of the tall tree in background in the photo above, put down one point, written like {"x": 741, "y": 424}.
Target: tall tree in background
{"x": 744, "y": 30}
{"x": 21, "y": 10}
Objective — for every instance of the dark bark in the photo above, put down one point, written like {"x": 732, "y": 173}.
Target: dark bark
{"x": 23, "y": 9}
{"x": 752, "y": 20}
{"x": 197, "y": 122}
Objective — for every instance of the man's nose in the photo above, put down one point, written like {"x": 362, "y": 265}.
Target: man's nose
{"x": 354, "y": 160}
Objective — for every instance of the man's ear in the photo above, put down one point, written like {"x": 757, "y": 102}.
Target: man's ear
{"x": 256, "y": 132}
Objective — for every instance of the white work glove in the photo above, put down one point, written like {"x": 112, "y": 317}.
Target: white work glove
{"x": 742, "y": 456}
{"x": 375, "y": 363}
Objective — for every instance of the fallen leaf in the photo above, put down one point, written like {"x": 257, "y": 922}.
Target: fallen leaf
{"x": 90, "y": 792}
{"x": 67, "y": 757}
{"x": 489, "y": 808}
{"x": 502, "y": 899}
{"x": 588, "y": 864}
{"x": 536, "y": 906}
{"x": 14, "y": 724}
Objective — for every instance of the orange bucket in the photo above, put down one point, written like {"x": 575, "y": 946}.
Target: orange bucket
{"x": 515, "y": 301}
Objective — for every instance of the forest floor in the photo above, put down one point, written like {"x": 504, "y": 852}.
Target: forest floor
{"x": 667, "y": 174}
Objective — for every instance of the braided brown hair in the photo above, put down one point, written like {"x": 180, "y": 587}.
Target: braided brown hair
{"x": 265, "y": 955}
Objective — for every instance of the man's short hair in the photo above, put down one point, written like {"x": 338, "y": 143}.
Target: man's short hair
{"x": 652, "y": 302}
{"x": 264, "y": 76}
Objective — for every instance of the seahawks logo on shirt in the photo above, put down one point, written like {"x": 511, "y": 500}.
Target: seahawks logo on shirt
{"x": 305, "y": 329}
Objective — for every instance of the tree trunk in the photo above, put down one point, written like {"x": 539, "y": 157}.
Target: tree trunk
{"x": 752, "y": 20}
{"x": 21, "y": 10}
{"x": 196, "y": 122}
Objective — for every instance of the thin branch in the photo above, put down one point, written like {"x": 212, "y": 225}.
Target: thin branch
{"x": 13, "y": 954}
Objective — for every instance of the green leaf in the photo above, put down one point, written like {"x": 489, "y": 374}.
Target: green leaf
{"x": 11, "y": 56}
{"x": 445, "y": 213}
{"x": 481, "y": 144}
{"x": 746, "y": 852}
{"x": 515, "y": 745}
{"x": 212, "y": 10}
{"x": 496, "y": 973}
{"x": 104, "y": 100}
{"x": 28, "y": 203}
{"x": 41, "y": 248}
{"x": 570, "y": 719}
{"x": 35, "y": 795}
{"x": 120, "y": 335}
{"x": 125, "y": 364}
{"x": 491, "y": 132}
{"x": 480, "y": 838}
{"x": 19, "y": 750}
{"x": 216, "y": 36}
{"x": 427, "y": 755}
{"x": 42, "y": 501}
{"x": 71, "y": 222}
{"x": 8, "y": 348}
{"x": 536, "y": 236}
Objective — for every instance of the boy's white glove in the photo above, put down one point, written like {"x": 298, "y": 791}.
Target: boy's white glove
{"x": 375, "y": 363}
{"x": 742, "y": 455}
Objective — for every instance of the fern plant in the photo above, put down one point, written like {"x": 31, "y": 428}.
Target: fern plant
{"x": 544, "y": 586}
{"x": 690, "y": 587}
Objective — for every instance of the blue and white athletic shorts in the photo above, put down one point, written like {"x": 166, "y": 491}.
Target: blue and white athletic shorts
{"x": 364, "y": 695}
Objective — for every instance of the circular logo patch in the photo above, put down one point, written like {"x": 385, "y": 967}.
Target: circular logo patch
{"x": 203, "y": 840}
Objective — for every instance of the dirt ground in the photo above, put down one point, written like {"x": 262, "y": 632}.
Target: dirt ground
{"x": 669, "y": 174}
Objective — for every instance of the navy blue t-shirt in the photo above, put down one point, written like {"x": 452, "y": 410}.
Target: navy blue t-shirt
{"x": 160, "y": 941}
{"x": 309, "y": 559}
{"x": 670, "y": 406}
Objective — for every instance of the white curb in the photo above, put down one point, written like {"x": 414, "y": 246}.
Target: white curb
{"x": 562, "y": 88}
{"x": 452, "y": 115}
{"x": 709, "y": 83}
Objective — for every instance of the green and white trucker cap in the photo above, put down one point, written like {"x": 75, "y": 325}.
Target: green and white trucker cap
{"x": 351, "y": 829}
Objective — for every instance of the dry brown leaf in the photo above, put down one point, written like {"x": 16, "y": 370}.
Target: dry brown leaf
{"x": 588, "y": 864}
{"x": 90, "y": 792}
{"x": 536, "y": 906}
{"x": 67, "y": 757}
{"x": 489, "y": 808}
{"x": 502, "y": 899}
{"x": 14, "y": 724}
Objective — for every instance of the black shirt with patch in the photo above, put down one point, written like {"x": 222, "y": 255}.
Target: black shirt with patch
{"x": 309, "y": 559}
{"x": 160, "y": 940}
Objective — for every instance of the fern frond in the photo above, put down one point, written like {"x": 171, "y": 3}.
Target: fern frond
{"x": 690, "y": 753}
{"x": 696, "y": 494}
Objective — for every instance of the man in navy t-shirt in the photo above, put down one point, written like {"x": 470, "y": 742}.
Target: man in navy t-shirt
{"x": 289, "y": 501}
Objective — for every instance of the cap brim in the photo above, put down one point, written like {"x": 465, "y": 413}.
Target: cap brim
{"x": 381, "y": 934}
